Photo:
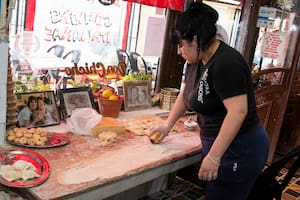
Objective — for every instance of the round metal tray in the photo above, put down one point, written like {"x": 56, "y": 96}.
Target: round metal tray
{"x": 54, "y": 140}
{"x": 37, "y": 160}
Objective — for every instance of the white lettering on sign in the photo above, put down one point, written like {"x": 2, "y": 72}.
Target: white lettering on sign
{"x": 77, "y": 31}
{"x": 79, "y": 26}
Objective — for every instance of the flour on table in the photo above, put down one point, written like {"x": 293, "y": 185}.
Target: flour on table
{"x": 132, "y": 157}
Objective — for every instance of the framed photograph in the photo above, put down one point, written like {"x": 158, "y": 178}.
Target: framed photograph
{"x": 71, "y": 98}
{"x": 3, "y": 11}
{"x": 36, "y": 109}
{"x": 137, "y": 95}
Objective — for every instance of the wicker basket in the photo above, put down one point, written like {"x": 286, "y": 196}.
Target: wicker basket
{"x": 109, "y": 108}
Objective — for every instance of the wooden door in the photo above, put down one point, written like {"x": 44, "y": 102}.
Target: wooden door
{"x": 271, "y": 95}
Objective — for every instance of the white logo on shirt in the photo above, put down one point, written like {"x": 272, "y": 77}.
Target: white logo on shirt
{"x": 203, "y": 88}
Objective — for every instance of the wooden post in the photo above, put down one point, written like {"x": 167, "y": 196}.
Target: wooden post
{"x": 171, "y": 65}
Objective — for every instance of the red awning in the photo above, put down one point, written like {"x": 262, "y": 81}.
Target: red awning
{"x": 170, "y": 4}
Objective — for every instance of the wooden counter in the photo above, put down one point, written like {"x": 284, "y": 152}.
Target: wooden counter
{"x": 85, "y": 170}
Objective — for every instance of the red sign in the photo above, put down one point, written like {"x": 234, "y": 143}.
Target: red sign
{"x": 170, "y": 4}
{"x": 273, "y": 45}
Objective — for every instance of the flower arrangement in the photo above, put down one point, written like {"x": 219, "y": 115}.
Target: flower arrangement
{"x": 141, "y": 76}
{"x": 285, "y": 4}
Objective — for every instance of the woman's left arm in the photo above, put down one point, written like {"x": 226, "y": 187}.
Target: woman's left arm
{"x": 237, "y": 108}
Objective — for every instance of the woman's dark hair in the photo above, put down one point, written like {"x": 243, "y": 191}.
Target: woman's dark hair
{"x": 198, "y": 20}
{"x": 30, "y": 99}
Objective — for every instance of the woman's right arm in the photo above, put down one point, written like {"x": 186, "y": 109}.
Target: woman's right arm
{"x": 176, "y": 112}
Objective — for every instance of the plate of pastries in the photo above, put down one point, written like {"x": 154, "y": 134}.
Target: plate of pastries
{"x": 35, "y": 138}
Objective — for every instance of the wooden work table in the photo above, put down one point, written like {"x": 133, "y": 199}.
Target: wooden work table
{"x": 105, "y": 172}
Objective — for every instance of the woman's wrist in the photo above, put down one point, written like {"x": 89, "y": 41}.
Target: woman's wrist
{"x": 214, "y": 159}
{"x": 167, "y": 127}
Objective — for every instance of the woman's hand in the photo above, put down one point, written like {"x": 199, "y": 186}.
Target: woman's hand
{"x": 209, "y": 168}
{"x": 163, "y": 129}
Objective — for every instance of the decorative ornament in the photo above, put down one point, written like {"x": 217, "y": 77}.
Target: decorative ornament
{"x": 285, "y": 4}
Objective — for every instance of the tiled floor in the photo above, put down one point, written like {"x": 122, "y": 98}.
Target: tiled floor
{"x": 181, "y": 190}
{"x": 292, "y": 192}
{"x": 187, "y": 190}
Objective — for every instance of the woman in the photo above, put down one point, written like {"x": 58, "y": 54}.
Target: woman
{"x": 41, "y": 116}
{"x": 219, "y": 89}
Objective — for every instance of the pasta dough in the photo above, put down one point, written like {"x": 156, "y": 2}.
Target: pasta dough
{"x": 29, "y": 174}
{"x": 140, "y": 126}
{"x": 107, "y": 137}
{"x": 5, "y": 168}
{"x": 12, "y": 175}
{"x": 22, "y": 165}
{"x": 20, "y": 169}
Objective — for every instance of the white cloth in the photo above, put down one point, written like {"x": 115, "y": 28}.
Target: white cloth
{"x": 222, "y": 33}
{"x": 83, "y": 120}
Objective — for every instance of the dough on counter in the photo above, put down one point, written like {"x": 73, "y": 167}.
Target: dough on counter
{"x": 140, "y": 126}
{"x": 107, "y": 137}
{"x": 20, "y": 169}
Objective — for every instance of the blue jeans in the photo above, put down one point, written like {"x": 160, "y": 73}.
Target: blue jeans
{"x": 242, "y": 162}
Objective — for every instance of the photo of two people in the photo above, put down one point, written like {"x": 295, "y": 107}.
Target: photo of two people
{"x": 37, "y": 109}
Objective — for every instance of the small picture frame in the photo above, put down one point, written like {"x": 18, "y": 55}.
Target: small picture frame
{"x": 137, "y": 95}
{"x": 37, "y": 109}
{"x": 71, "y": 98}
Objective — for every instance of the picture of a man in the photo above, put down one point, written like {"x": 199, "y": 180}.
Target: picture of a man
{"x": 143, "y": 97}
{"x": 134, "y": 95}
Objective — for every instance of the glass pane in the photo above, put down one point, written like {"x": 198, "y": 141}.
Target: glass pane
{"x": 276, "y": 40}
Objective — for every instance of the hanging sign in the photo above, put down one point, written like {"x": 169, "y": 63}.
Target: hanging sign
{"x": 266, "y": 17}
{"x": 264, "y": 22}
{"x": 267, "y": 12}
{"x": 273, "y": 45}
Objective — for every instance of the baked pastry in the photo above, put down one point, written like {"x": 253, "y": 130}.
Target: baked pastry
{"x": 30, "y": 136}
{"x": 108, "y": 124}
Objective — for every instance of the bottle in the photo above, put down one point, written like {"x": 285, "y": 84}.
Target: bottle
{"x": 154, "y": 137}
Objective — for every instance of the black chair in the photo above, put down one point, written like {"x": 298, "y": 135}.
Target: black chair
{"x": 124, "y": 57}
{"x": 55, "y": 73}
{"x": 134, "y": 60}
{"x": 267, "y": 186}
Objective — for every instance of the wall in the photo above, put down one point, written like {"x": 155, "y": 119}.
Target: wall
{"x": 3, "y": 84}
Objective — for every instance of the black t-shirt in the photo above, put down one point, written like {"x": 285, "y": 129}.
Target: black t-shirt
{"x": 206, "y": 86}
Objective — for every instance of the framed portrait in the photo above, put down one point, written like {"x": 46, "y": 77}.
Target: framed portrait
{"x": 71, "y": 98}
{"x": 137, "y": 95}
{"x": 3, "y": 7}
{"x": 36, "y": 109}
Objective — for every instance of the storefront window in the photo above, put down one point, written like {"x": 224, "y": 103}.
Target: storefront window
{"x": 61, "y": 33}
{"x": 48, "y": 38}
